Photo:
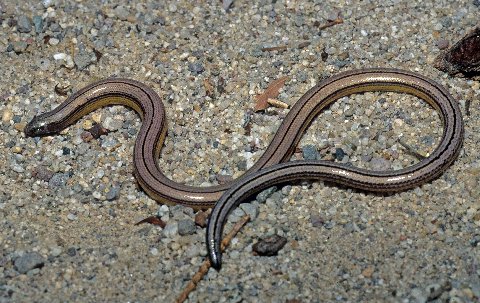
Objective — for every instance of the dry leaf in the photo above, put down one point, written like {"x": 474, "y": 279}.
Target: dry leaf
{"x": 152, "y": 220}
{"x": 271, "y": 92}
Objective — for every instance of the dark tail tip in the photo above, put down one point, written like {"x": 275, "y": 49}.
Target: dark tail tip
{"x": 216, "y": 261}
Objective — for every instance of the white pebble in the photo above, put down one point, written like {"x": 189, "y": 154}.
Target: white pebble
{"x": 53, "y": 41}
{"x": 60, "y": 56}
{"x": 71, "y": 217}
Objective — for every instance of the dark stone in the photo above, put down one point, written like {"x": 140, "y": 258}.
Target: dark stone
{"x": 317, "y": 220}
{"x": 201, "y": 218}
{"x": 269, "y": 246}
{"x": 28, "y": 262}
{"x": 263, "y": 195}
{"x": 72, "y": 251}
{"x": 97, "y": 130}
{"x": 17, "y": 119}
{"x": 186, "y": 227}
{"x": 113, "y": 193}
{"x": 196, "y": 68}
{"x": 42, "y": 173}
{"x": 38, "y": 23}
{"x": 310, "y": 152}
{"x": 339, "y": 154}
{"x": 24, "y": 25}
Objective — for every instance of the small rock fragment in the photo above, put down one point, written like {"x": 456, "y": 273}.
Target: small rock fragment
{"x": 339, "y": 154}
{"x": 263, "y": 195}
{"x": 269, "y": 246}
{"x": 310, "y": 152}
{"x": 38, "y": 24}
{"x": 196, "y": 68}
{"x": 58, "y": 180}
{"x": 98, "y": 130}
{"x": 28, "y": 262}
{"x": 368, "y": 272}
{"x": 41, "y": 172}
{"x": 113, "y": 193}
{"x": 250, "y": 209}
{"x": 442, "y": 43}
{"x": 317, "y": 220}
{"x": 435, "y": 290}
{"x": 201, "y": 218}
{"x": 186, "y": 227}
{"x": 86, "y": 136}
{"x": 19, "y": 47}
{"x": 24, "y": 25}
{"x": 171, "y": 229}
{"x": 7, "y": 115}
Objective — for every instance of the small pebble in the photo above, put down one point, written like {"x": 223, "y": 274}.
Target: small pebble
{"x": 236, "y": 215}
{"x": 53, "y": 41}
{"x": 310, "y": 152}
{"x": 263, "y": 195}
{"x": 121, "y": 12}
{"x": 71, "y": 217}
{"x": 24, "y": 24}
{"x": 82, "y": 59}
{"x": 442, "y": 44}
{"x": 113, "y": 193}
{"x": 72, "y": 251}
{"x": 196, "y": 68}
{"x": 29, "y": 261}
{"x": 58, "y": 180}
{"x": 7, "y": 115}
{"x": 42, "y": 173}
{"x": 250, "y": 209}
{"x": 38, "y": 24}
{"x": 113, "y": 124}
{"x": 171, "y": 229}
{"x": 339, "y": 154}
{"x": 201, "y": 218}
{"x": 317, "y": 220}
{"x": 20, "y": 46}
{"x": 97, "y": 130}
{"x": 269, "y": 246}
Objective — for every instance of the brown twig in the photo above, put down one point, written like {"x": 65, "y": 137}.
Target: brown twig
{"x": 331, "y": 23}
{"x": 203, "y": 270}
{"x": 274, "y": 48}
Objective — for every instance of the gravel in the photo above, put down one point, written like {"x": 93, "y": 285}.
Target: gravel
{"x": 68, "y": 203}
